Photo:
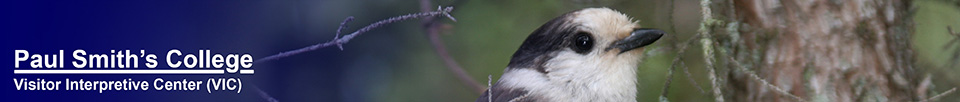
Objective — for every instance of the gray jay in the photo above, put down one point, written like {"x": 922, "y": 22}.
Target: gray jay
{"x": 588, "y": 55}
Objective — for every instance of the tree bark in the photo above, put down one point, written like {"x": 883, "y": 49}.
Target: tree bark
{"x": 818, "y": 50}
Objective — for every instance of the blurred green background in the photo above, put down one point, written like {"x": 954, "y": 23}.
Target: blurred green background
{"x": 932, "y": 17}
{"x": 397, "y": 63}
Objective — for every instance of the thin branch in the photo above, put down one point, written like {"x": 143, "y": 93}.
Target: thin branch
{"x": 952, "y": 41}
{"x": 686, "y": 71}
{"x": 742, "y": 68}
{"x": 678, "y": 61}
{"x": 708, "y": 49}
{"x": 763, "y": 81}
{"x": 711, "y": 71}
{"x": 264, "y": 94}
{"x": 347, "y": 38}
{"x": 489, "y": 93}
{"x": 339, "y": 29}
{"x": 940, "y": 95}
{"x": 666, "y": 84}
{"x": 956, "y": 39}
{"x": 339, "y": 41}
{"x": 430, "y": 26}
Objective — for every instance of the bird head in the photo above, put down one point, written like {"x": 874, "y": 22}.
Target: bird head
{"x": 585, "y": 55}
{"x": 590, "y": 38}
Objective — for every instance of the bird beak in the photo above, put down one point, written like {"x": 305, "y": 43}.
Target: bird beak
{"x": 638, "y": 38}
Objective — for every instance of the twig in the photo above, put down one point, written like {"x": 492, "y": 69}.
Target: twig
{"x": 452, "y": 64}
{"x": 956, "y": 39}
{"x": 678, "y": 61}
{"x": 433, "y": 33}
{"x": 342, "y": 26}
{"x": 952, "y": 41}
{"x": 666, "y": 84}
{"x": 708, "y": 56}
{"x": 339, "y": 41}
{"x": 762, "y": 81}
{"x": 940, "y": 95}
{"x": 707, "y": 49}
{"x": 347, "y": 38}
{"x": 264, "y": 94}
{"x": 686, "y": 70}
{"x": 489, "y": 93}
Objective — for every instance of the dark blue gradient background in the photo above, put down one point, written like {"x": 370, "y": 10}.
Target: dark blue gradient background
{"x": 260, "y": 28}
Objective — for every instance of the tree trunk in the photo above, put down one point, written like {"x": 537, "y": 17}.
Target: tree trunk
{"x": 817, "y": 50}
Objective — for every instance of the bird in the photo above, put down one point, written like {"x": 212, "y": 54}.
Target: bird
{"x": 587, "y": 55}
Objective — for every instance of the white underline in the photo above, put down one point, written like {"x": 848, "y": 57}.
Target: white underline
{"x": 159, "y": 71}
{"x": 246, "y": 71}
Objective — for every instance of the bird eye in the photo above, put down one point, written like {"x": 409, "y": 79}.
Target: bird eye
{"x": 582, "y": 43}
